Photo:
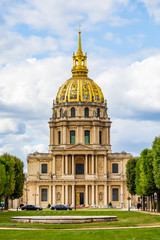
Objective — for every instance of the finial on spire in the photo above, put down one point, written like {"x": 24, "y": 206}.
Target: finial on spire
{"x": 79, "y": 42}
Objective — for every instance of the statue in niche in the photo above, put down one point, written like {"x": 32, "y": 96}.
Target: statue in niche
{"x": 50, "y": 175}
{"x": 54, "y": 114}
{"x": 105, "y": 113}
{"x": 65, "y": 114}
{"x": 58, "y": 196}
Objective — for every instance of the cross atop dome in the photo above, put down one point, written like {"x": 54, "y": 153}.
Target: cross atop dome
{"x": 79, "y": 60}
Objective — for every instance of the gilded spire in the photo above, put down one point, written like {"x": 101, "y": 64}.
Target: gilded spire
{"x": 79, "y": 60}
{"x": 79, "y": 42}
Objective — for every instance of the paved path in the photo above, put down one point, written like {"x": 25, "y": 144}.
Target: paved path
{"x": 73, "y": 229}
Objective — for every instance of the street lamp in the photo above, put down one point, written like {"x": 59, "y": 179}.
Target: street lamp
{"x": 75, "y": 195}
{"x": 128, "y": 203}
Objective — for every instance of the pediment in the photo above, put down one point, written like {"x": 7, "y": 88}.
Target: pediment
{"x": 80, "y": 147}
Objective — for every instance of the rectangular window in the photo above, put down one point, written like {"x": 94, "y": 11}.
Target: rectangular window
{"x": 79, "y": 168}
{"x": 87, "y": 137}
{"x": 72, "y": 137}
{"x": 44, "y": 168}
{"x": 59, "y": 137}
{"x": 114, "y": 168}
{"x": 115, "y": 194}
{"x": 100, "y": 137}
{"x": 44, "y": 195}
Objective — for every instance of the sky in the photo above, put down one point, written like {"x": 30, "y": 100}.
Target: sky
{"x": 37, "y": 40}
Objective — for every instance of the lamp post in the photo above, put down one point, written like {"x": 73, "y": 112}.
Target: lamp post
{"x": 128, "y": 203}
{"x": 75, "y": 195}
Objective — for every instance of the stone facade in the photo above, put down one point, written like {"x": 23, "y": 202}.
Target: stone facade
{"x": 80, "y": 166}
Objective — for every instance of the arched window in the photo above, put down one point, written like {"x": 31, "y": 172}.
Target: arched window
{"x": 73, "y": 112}
{"x": 61, "y": 112}
{"x": 98, "y": 112}
{"x": 87, "y": 137}
{"x": 86, "y": 112}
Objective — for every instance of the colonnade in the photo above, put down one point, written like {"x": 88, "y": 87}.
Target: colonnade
{"x": 80, "y": 135}
{"x": 94, "y": 164}
{"x": 90, "y": 198}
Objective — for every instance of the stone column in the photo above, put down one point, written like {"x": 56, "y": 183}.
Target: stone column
{"x": 96, "y": 170}
{"x": 105, "y": 195}
{"x": 82, "y": 140}
{"x": 122, "y": 195}
{"x": 94, "y": 129}
{"x": 105, "y": 165}
{"x": 51, "y": 135}
{"x": 73, "y": 195}
{"x": 72, "y": 164}
{"x": 66, "y": 194}
{"x": 86, "y": 195}
{"x": 66, "y": 164}
{"x": 64, "y": 134}
{"x": 77, "y": 135}
{"x": 49, "y": 194}
{"x": 92, "y": 194}
{"x": 92, "y": 164}
{"x": 63, "y": 159}
{"x": 62, "y": 194}
{"x": 54, "y": 195}
{"x": 37, "y": 198}
{"x": 86, "y": 164}
{"x": 54, "y": 165}
{"x": 108, "y": 135}
{"x": 97, "y": 195}
{"x": 110, "y": 194}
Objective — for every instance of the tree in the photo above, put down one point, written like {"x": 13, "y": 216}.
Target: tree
{"x": 146, "y": 173}
{"x": 156, "y": 167}
{"x": 2, "y": 180}
{"x": 139, "y": 182}
{"x": 131, "y": 175}
{"x": 14, "y": 177}
{"x": 19, "y": 178}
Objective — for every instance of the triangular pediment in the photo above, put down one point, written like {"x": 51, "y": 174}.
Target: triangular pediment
{"x": 79, "y": 147}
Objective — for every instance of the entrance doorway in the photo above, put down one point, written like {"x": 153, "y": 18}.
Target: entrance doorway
{"x": 79, "y": 198}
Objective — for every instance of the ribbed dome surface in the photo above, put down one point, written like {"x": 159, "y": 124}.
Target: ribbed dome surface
{"x": 81, "y": 89}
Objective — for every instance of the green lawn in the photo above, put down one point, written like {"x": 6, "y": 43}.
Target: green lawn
{"x": 131, "y": 234}
{"x": 124, "y": 219}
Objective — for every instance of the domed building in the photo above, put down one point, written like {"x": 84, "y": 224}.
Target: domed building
{"x": 80, "y": 166}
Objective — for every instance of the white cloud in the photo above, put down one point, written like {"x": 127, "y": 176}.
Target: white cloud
{"x": 27, "y": 149}
{"x": 58, "y": 15}
{"x": 153, "y": 8}
{"x": 133, "y": 90}
{"x": 8, "y": 126}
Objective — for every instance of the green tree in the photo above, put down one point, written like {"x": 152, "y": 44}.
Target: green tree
{"x": 8, "y": 162}
{"x": 147, "y": 177}
{"x": 139, "y": 182}
{"x": 19, "y": 178}
{"x": 13, "y": 177}
{"x": 156, "y": 167}
{"x": 131, "y": 175}
{"x": 2, "y": 180}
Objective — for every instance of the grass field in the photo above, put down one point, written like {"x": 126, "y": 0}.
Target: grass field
{"x": 125, "y": 219}
{"x": 59, "y": 231}
{"x": 131, "y": 234}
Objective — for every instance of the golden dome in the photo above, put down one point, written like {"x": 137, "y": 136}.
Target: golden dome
{"x": 79, "y": 87}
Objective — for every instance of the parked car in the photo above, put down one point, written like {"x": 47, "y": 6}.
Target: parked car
{"x": 61, "y": 207}
{"x": 31, "y": 207}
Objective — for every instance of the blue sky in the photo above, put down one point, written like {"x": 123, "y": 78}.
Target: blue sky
{"x": 122, "y": 40}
